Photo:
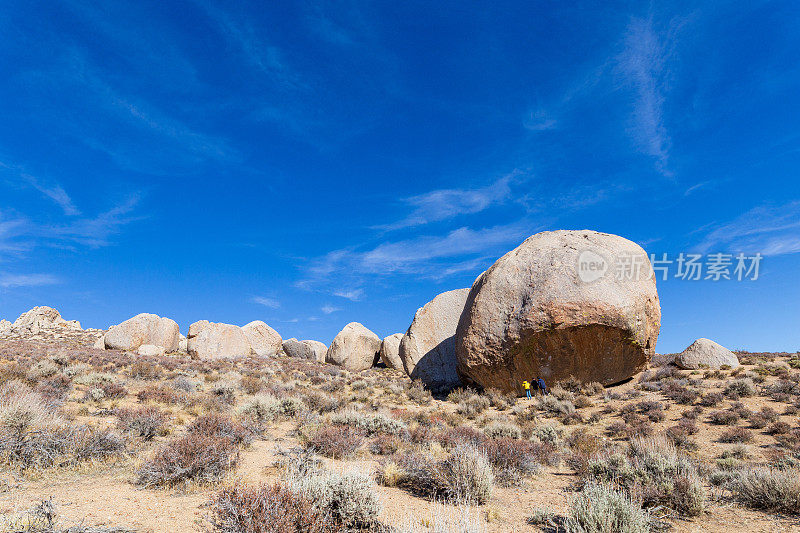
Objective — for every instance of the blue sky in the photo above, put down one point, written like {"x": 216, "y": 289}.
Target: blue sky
{"x": 317, "y": 163}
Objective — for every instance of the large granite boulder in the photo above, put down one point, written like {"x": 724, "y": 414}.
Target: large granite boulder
{"x": 563, "y": 303}
{"x": 390, "y": 351}
{"x": 308, "y": 349}
{"x": 355, "y": 348}
{"x": 42, "y": 317}
{"x": 705, "y": 353}
{"x": 428, "y": 347}
{"x": 264, "y": 340}
{"x": 213, "y": 340}
{"x": 144, "y": 328}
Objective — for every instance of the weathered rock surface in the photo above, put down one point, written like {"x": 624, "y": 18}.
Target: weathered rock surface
{"x": 100, "y": 343}
{"x": 42, "y": 317}
{"x": 355, "y": 348}
{"x": 308, "y": 349}
{"x": 390, "y": 351}
{"x": 705, "y": 353}
{"x": 144, "y": 328}
{"x": 264, "y": 340}
{"x": 556, "y": 306}
{"x": 183, "y": 344}
{"x": 214, "y": 340}
{"x": 150, "y": 350}
{"x": 5, "y": 327}
{"x": 428, "y": 347}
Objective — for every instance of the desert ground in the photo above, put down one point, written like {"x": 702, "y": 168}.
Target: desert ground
{"x": 104, "y": 440}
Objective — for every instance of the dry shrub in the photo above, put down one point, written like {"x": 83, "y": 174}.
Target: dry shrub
{"x": 33, "y": 435}
{"x": 385, "y": 445}
{"x": 734, "y": 435}
{"x": 655, "y": 472}
{"x": 778, "y": 428}
{"x": 267, "y": 509}
{"x": 768, "y": 488}
{"x": 500, "y": 400}
{"x": 193, "y": 457}
{"x": 321, "y": 403}
{"x": 336, "y": 442}
{"x": 417, "y": 393}
{"x": 209, "y": 449}
{"x": 740, "y": 388}
{"x": 599, "y": 508}
{"x": 472, "y": 406}
{"x": 145, "y": 422}
{"x": 146, "y": 370}
{"x": 251, "y": 384}
{"x": 502, "y": 430}
{"x": 348, "y": 498}
{"x": 723, "y": 418}
{"x": 465, "y": 475}
{"x": 159, "y": 393}
{"x": 512, "y": 460}
{"x": 370, "y": 423}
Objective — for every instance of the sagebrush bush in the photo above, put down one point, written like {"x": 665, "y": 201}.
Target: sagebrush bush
{"x": 145, "y": 422}
{"x": 370, "y": 423}
{"x": 600, "y": 508}
{"x": 734, "y": 435}
{"x": 655, "y": 472}
{"x": 502, "y": 430}
{"x": 336, "y": 442}
{"x": 272, "y": 508}
{"x": 349, "y": 498}
{"x": 465, "y": 475}
{"x": 768, "y": 488}
{"x": 740, "y": 388}
{"x": 551, "y": 404}
{"x": 34, "y": 435}
{"x": 209, "y": 449}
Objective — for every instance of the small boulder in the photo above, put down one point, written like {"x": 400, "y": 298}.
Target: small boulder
{"x": 390, "y": 351}
{"x": 705, "y": 353}
{"x": 355, "y": 348}
{"x": 308, "y": 349}
{"x": 183, "y": 344}
{"x": 150, "y": 350}
{"x": 265, "y": 341}
{"x": 428, "y": 347}
{"x": 212, "y": 340}
{"x": 144, "y": 328}
{"x": 100, "y": 343}
{"x": 42, "y": 317}
{"x": 5, "y": 327}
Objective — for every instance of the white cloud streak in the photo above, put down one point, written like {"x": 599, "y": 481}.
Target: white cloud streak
{"x": 272, "y": 303}
{"x": 770, "y": 230}
{"x": 643, "y": 63}
{"x": 9, "y": 281}
{"x": 444, "y": 204}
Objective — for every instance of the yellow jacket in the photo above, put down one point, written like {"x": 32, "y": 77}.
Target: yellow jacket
{"x": 526, "y": 385}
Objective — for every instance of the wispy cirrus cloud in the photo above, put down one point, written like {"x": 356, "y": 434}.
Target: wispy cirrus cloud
{"x": 768, "y": 229}
{"x": 272, "y": 303}
{"x": 52, "y": 191}
{"x": 432, "y": 256}
{"x": 350, "y": 294}
{"x": 644, "y": 66}
{"x": 9, "y": 280}
{"x": 444, "y": 204}
{"x": 328, "y": 309}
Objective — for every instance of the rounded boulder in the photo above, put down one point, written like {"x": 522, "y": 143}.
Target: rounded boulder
{"x": 563, "y": 303}
{"x": 355, "y": 348}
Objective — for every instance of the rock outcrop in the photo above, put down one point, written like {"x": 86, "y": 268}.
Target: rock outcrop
{"x": 390, "y": 351}
{"x": 428, "y": 347}
{"x": 144, "y": 328}
{"x": 705, "y": 353}
{"x": 183, "y": 343}
{"x": 265, "y": 341}
{"x": 355, "y": 348}
{"x": 5, "y": 327}
{"x": 308, "y": 349}
{"x": 42, "y": 317}
{"x": 563, "y": 303}
{"x": 214, "y": 340}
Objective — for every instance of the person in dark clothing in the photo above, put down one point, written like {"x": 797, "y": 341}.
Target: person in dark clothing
{"x": 541, "y": 386}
